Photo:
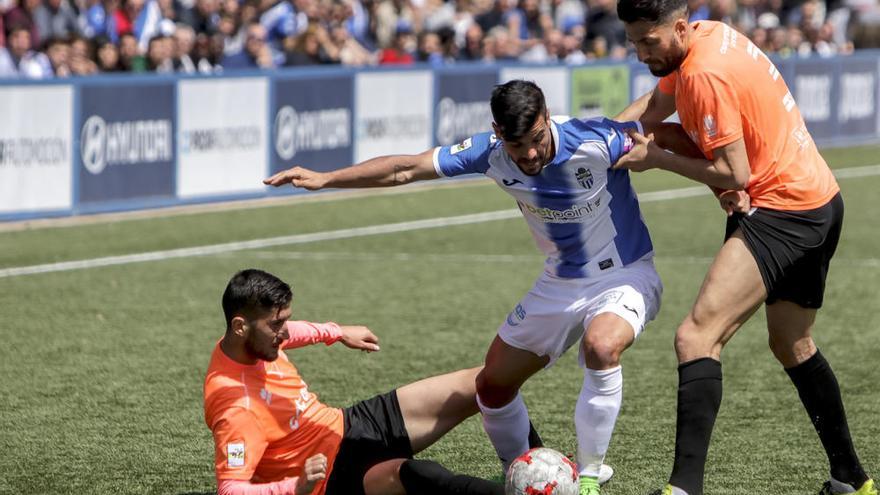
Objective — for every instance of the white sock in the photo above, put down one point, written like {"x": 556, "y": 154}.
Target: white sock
{"x": 508, "y": 429}
{"x": 595, "y": 416}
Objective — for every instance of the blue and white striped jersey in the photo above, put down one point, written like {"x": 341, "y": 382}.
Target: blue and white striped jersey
{"x": 584, "y": 216}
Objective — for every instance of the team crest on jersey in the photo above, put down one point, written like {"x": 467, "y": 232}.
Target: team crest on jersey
{"x": 709, "y": 126}
{"x": 458, "y": 148}
{"x": 584, "y": 177}
{"x": 235, "y": 454}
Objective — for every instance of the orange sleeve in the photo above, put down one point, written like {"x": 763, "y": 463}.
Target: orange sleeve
{"x": 666, "y": 85}
{"x": 715, "y": 107}
{"x": 303, "y": 333}
{"x": 239, "y": 443}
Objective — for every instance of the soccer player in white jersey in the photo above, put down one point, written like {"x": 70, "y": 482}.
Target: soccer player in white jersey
{"x": 599, "y": 287}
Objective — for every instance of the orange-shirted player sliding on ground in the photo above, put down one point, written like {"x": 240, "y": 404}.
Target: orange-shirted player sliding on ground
{"x": 273, "y": 437}
{"x": 785, "y": 216}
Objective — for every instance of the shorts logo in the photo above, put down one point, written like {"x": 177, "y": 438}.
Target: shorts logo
{"x": 606, "y": 264}
{"x": 516, "y": 316}
{"x": 709, "y": 126}
{"x": 458, "y": 148}
{"x": 584, "y": 177}
{"x": 235, "y": 454}
{"x": 632, "y": 310}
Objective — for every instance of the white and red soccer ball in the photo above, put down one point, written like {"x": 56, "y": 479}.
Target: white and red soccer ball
{"x": 542, "y": 471}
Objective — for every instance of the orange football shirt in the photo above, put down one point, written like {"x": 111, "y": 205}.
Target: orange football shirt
{"x": 265, "y": 421}
{"x": 727, "y": 89}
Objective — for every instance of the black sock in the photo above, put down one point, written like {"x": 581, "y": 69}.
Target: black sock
{"x": 534, "y": 439}
{"x": 430, "y": 478}
{"x": 820, "y": 394}
{"x": 699, "y": 397}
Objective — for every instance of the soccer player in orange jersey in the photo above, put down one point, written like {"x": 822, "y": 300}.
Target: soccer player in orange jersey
{"x": 273, "y": 437}
{"x": 785, "y": 216}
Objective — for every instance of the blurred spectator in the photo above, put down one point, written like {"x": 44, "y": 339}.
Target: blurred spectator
{"x": 602, "y": 22}
{"x": 350, "y": 51}
{"x": 254, "y": 55}
{"x": 203, "y": 17}
{"x": 233, "y": 34}
{"x": 698, "y": 10}
{"x": 550, "y": 51}
{"x": 402, "y": 47}
{"x": 18, "y": 60}
{"x": 21, "y": 16}
{"x": 82, "y": 57}
{"x": 388, "y": 17}
{"x": 56, "y": 18}
{"x": 108, "y": 59}
{"x": 473, "y": 43}
{"x": 184, "y": 42}
{"x": 206, "y": 58}
{"x": 498, "y": 46}
{"x": 58, "y": 51}
{"x": 101, "y": 20}
{"x": 160, "y": 54}
{"x": 130, "y": 56}
{"x": 722, "y": 11}
{"x": 311, "y": 47}
{"x": 430, "y": 49}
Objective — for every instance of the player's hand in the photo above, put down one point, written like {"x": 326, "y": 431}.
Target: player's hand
{"x": 735, "y": 202}
{"x": 298, "y": 177}
{"x": 315, "y": 470}
{"x": 638, "y": 158}
{"x": 358, "y": 337}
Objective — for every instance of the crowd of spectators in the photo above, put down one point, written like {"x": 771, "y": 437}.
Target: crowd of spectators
{"x": 60, "y": 38}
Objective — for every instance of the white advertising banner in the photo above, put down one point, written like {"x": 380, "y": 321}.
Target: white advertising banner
{"x": 221, "y": 142}
{"x": 393, "y": 113}
{"x": 36, "y": 169}
{"x": 553, "y": 81}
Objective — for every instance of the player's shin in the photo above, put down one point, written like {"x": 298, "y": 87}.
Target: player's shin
{"x": 699, "y": 398}
{"x": 820, "y": 393}
{"x": 507, "y": 428}
{"x": 595, "y": 416}
{"x": 421, "y": 477}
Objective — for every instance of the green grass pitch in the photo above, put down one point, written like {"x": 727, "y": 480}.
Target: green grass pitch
{"x": 102, "y": 368}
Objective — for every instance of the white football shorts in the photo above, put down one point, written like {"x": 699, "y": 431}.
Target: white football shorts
{"x": 554, "y": 314}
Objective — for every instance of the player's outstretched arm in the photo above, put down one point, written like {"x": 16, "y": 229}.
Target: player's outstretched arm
{"x": 359, "y": 337}
{"x": 673, "y": 137}
{"x": 729, "y": 169}
{"x": 383, "y": 171}
{"x": 654, "y": 106}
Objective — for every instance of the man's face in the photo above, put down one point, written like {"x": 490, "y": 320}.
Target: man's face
{"x": 266, "y": 333}
{"x": 661, "y": 46}
{"x": 532, "y": 151}
{"x": 256, "y": 40}
{"x": 20, "y": 42}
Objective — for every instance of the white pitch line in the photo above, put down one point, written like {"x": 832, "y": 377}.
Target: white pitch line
{"x": 361, "y": 257}
{"x": 430, "y": 223}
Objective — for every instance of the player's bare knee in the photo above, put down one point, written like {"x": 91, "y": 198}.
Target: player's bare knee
{"x": 493, "y": 394}
{"x": 602, "y": 353}
{"x": 692, "y": 342}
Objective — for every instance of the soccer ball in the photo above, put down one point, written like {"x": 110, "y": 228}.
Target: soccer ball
{"x": 542, "y": 471}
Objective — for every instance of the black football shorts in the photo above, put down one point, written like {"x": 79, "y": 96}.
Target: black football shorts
{"x": 793, "y": 249}
{"x": 374, "y": 432}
